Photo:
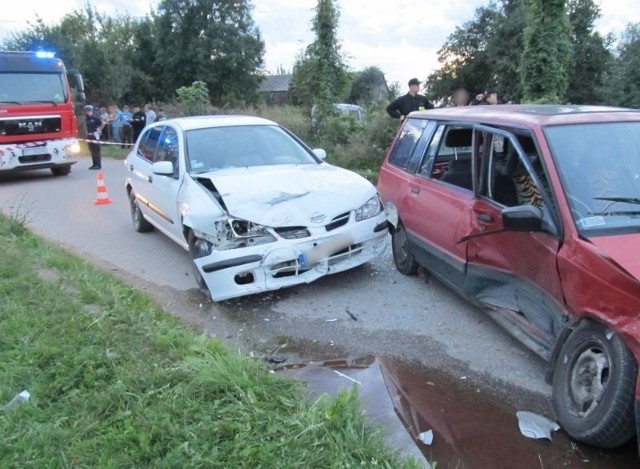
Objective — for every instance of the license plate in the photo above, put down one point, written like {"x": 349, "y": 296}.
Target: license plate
{"x": 325, "y": 249}
{"x": 34, "y": 151}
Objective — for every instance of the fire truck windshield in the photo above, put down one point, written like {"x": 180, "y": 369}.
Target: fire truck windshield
{"x": 29, "y": 88}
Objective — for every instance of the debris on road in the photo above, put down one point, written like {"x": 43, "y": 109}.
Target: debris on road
{"x": 332, "y": 320}
{"x": 275, "y": 359}
{"x": 536, "y": 426}
{"x": 351, "y": 315}
{"x": 18, "y": 399}
{"x": 347, "y": 377}
{"x": 578, "y": 452}
{"x": 426, "y": 437}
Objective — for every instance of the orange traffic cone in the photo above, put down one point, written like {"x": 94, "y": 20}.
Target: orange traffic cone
{"x": 103, "y": 197}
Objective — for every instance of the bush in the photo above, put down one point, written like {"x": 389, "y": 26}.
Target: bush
{"x": 356, "y": 145}
{"x": 194, "y": 98}
{"x": 352, "y": 144}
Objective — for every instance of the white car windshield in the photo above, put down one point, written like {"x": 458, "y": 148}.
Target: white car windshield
{"x": 243, "y": 146}
{"x": 599, "y": 165}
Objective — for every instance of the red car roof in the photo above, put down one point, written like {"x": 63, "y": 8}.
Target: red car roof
{"x": 532, "y": 114}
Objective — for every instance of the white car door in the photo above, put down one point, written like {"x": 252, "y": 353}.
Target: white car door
{"x": 163, "y": 188}
{"x": 140, "y": 173}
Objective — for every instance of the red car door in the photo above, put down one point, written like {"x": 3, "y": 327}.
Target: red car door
{"x": 437, "y": 209}
{"x": 515, "y": 272}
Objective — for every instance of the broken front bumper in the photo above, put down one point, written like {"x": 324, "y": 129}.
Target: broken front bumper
{"x": 266, "y": 267}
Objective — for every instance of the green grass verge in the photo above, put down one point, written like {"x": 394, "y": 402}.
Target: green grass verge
{"x": 117, "y": 382}
{"x": 108, "y": 151}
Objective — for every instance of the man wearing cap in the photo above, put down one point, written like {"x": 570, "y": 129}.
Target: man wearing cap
{"x": 94, "y": 129}
{"x": 489, "y": 97}
{"x": 412, "y": 101}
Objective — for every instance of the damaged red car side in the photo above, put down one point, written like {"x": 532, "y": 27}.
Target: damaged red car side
{"x": 533, "y": 213}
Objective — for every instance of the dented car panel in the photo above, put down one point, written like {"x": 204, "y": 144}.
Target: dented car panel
{"x": 281, "y": 263}
{"x": 258, "y": 211}
{"x": 308, "y": 230}
{"x": 538, "y": 222}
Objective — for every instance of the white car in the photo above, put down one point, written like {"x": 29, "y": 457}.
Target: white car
{"x": 255, "y": 207}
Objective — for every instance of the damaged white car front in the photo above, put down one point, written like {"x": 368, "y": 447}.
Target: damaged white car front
{"x": 240, "y": 255}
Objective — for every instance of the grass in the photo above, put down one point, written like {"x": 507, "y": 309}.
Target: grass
{"x": 117, "y": 382}
{"x": 108, "y": 151}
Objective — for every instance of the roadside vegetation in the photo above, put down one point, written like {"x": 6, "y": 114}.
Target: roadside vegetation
{"x": 115, "y": 381}
{"x": 352, "y": 144}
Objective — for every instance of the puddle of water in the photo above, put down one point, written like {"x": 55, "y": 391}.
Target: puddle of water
{"x": 471, "y": 429}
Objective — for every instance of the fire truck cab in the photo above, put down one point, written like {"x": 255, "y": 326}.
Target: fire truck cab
{"x": 38, "y": 124}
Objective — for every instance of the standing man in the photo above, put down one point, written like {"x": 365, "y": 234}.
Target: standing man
{"x": 127, "y": 130}
{"x": 412, "y": 101}
{"x": 138, "y": 122}
{"x": 460, "y": 97}
{"x": 489, "y": 97}
{"x": 150, "y": 113}
{"x": 94, "y": 130}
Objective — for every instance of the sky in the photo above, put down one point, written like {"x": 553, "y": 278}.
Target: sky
{"x": 401, "y": 37}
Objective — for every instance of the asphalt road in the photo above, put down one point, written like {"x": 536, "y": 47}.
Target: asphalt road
{"x": 415, "y": 319}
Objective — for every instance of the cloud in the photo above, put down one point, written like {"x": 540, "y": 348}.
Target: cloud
{"x": 401, "y": 37}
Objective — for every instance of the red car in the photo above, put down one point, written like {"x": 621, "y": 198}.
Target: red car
{"x": 533, "y": 214}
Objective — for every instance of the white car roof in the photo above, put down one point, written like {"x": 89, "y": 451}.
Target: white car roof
{"x": 203, "y": 122}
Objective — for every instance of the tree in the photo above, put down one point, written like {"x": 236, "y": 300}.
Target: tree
{"x": 369, "y": 85}
{"x": 546, "y": 58}
{"x": 320, "y": 76}
{"x": 622, "y": 80}
{"x": 488, "y": 51}
{"x": 590, "y": 56}
{"x": 214, "y": 41}
{"x": 482, "y": 53}
{"x": 97, "y": 45}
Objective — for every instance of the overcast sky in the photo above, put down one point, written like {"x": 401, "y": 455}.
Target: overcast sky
{"x": 401, "y": 37}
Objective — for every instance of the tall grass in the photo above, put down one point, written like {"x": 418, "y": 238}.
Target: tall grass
{"x": 117, "y": 382}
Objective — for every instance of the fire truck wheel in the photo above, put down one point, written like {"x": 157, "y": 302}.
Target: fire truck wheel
{"x": 61, "y": 170}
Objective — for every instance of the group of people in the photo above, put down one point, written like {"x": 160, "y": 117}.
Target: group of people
{"x": 414, "y": 101}
{"x": 118, "y": 126}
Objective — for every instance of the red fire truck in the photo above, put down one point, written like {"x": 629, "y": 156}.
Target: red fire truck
{"x": 38, "y": 125}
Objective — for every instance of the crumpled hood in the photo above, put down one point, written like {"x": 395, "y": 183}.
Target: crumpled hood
{"x": 278, "y": 196}
{"x": 623, "y": 249}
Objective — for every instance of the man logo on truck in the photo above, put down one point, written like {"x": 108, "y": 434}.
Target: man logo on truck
{"x": 38, "y": 125}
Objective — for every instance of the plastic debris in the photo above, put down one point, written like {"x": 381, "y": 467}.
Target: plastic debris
{"x": 347, "y": 377}
{"x": 578, "y": 452}
{"x": 18, "y": 399}
{"x": 332, "y": 320}
{"x": 426, "y": 437}
{"x": 351, "y": 315}
{"x": 536, "y": 426}
{"x": 275, "y": 359}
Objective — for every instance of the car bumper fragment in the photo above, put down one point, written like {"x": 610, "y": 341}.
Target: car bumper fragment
{"x": 382, "y": 226}
{"x": 228, "y": 263}
{"x": 267, "y": 267}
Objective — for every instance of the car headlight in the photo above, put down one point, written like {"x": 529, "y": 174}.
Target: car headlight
{"x": 234, "y": 233}
{"x": 73, "y": 148}
{"x": 369, "y": 209}
{"x": 246, "y": 229}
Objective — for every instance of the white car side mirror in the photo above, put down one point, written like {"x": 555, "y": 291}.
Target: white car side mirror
{"x": 320, "y": 153}
{"x": 162, "y": 168}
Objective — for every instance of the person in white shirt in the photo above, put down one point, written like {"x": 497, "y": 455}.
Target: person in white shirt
{"x": 150, "y": 113}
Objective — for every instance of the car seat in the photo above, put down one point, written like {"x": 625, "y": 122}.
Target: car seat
{"x": 459, "y": 170}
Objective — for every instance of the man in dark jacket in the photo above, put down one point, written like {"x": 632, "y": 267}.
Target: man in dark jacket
{"x": 412, "y": 101}
{"x": 138, "y": 122}
{"x": 94, "y": 131}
